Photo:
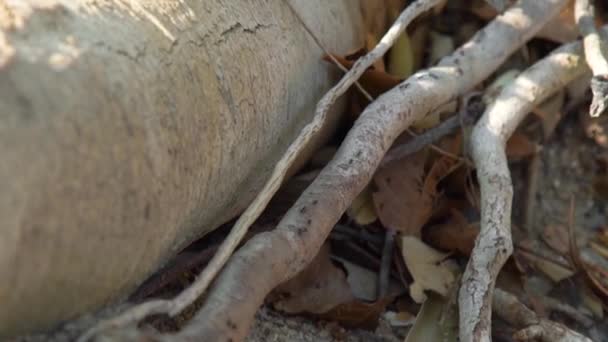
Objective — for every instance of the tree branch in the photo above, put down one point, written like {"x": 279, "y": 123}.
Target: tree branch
{"x": 494, "y": 244}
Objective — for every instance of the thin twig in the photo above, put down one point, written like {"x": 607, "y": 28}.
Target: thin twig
{"x": 385, "y": 263}
{"x": 595, "y": 55}
{"x": 196, "y": 289}
{"x": 494, "y": 242}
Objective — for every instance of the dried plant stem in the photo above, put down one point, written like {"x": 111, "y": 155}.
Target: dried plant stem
{"x": 595, "y": 54}
{"x": 509, "y": 308}
{"x": 494, "y": 244}
{"x": 202, "y": 282}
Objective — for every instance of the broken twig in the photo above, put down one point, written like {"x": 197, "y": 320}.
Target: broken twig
{"x": 595, "y": 55}
{"x": 494, "y": 244}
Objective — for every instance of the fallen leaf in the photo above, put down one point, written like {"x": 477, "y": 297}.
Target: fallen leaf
{"x": 456, "y": 235}
{"x": 400, "y": 201}
{"x": 519, "y": 146}
{"x": 362, "y": 209}
{"x": 553, "y": 270}
{"x": 363, "y": 282}
{"x": 358, "y": 314}
{"x": 442, "y": 167}
{"x": 556, "y": 237}
{"x": 437, "y": 320}
{"x": 320, "y": 287}
{"x": 592, "y": 302}
{"x": 428, "y": 268}
{"x": 599, "y": 249}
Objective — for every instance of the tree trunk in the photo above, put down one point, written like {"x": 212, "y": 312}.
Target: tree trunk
{"x": 130, "y": 128}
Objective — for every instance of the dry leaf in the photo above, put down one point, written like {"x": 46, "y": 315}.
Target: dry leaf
{"x": 362, "y": 209}
{"x": 320, "y": 287}
{"x": 357, "y": 314}
{"x": 552, "y": 270}
{"x": 437, "y": 320}
{"x": 519, "y": 146}
{"x": 428, "y": 267}
{"x": 456, "y": 235}
{"x": 599, "y": 249}
{"x": 400, "y": 201}
{"x": 556, "y": 237}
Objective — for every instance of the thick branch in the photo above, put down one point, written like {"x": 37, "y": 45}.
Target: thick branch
{"x": 494, "y": 244}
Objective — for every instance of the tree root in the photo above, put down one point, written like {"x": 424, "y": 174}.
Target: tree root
{"x": 595, "y": 55}
{"x": 271, "y": 258}
{"x": 510, "y": 309}
{"x": 202, "y": 282}
{"x": 494, "y": 245}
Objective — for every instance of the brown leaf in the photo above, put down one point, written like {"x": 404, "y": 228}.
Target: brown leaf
{"x": 320, "y": 287}
{"x": 556, "y": 237}
{"x": 428, "y": 267}
{"x": 456, "y": 235}
{"x": 401, "y": 202}
{"x": 358, "y": 314}
{"x": 519, "y": 146}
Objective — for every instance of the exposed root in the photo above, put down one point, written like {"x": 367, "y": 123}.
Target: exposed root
{"x": 534, "y": 328}
{"x": 595, "y": 55}
{"x": 175, "y": 306}
{"x": 494, "y": 244}
{"x": 271, "y": 258}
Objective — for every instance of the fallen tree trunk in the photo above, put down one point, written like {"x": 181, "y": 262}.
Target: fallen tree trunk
{"x": 128, "y": 129}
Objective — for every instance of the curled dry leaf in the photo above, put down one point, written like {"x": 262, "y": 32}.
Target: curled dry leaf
{"x": 437, "y": 320}
{"x": 429, "y": 268}
{"x": 456, "y": 235}
{"x": 320, "y": 287}
{"x": 519, "y": 146}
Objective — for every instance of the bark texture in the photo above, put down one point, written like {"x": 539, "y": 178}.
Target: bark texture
{"x": 130, "y": 128}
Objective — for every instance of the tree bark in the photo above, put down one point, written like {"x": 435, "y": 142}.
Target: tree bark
{"x": 130, "y": 128}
